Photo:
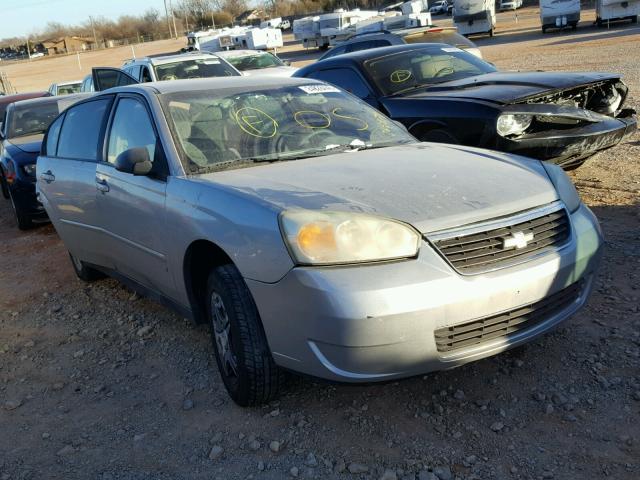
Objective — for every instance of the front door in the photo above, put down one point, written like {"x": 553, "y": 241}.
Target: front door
{"x": 132, "y": 207}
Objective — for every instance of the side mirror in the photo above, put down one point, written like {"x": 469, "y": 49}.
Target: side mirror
{"x": 135, "y": 161}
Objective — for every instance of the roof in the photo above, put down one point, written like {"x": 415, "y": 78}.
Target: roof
{"x": 69, "y": 82}
{"x": 34, "y": 102}
{"x": 175, "y": 86}
{"x": 22, "y": 96}
{"x": 238, "y": 53}
{"x": 171, "y": 58}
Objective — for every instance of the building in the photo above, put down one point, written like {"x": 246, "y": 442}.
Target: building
{"x": 67, "y": 45}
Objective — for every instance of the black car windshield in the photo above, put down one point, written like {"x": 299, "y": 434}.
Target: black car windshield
{"x": 223, "y": 128}
{"x": 255, "y": 61}
{"x": 426, "y": 66}
{"x": 31, "y": 118}
{"x": 194, "y": 68}
{"x": 69, "y": 88}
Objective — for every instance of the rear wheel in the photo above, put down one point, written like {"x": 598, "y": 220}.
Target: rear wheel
{"x": 544, "y": 30}
{"x": 574, "y": 26}
{"x": 242, "y": 353}
{"x": 599, "y": 22}
{"x": 437, "y": 135}
{"x": 85, "y": 273}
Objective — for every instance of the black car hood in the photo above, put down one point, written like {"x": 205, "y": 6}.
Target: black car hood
{"x": 28, "y": 144}
{"x": 507, "y": 87}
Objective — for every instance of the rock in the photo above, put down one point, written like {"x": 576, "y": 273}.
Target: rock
{"x": 29, "y": 344}
{"x": 78, "y": 354}
{"x": 443, "y": 472}
{"x": 294, "y": 471}
{"x": 58, "y": 386}
{"x": 274, "y": 446}
{"x": 261, "y": 466}
{"x": 311, "y": 461}
{"x": 66, "y": 450}
{"x": 12, "y": 404}
{"x": 470, "y": 460}
{"x": 357, "y": 468}
{"x": 46, "y": 436}
{"x": 459, "y": 395}
{"x": 274, "y": 413}
{"x": 187, "y": 404}
{"x": 139, "y": 437}
{"x": 497, "y": 426}
{"x": 340, "y": 466}
{"x": 548, "y": 409}
{"x": 426, "y": 475}
{"x": 146, "y": 330}
{"x": 569, "y": 417}
{"x": 216, "y": 452}
{"x": 389, "y": 475}
{"x": 636, "y": 395}
{"x": 254, "y": 445}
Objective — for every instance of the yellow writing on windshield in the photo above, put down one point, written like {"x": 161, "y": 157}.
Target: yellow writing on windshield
{"x": 312, "y": 119}
{"x": 256, "y": 123}
{"x": 400, "y": 76}
{"x": 364, "y": 125}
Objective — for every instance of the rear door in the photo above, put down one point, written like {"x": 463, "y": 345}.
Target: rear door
{"x": 132, "y": 207}
{"x": 66, "y": 176}
{"x": 106, "y": 77}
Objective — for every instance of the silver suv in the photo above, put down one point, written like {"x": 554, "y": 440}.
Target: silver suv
{"x": 178, "y": 67}
{"x": 313, "y": 233}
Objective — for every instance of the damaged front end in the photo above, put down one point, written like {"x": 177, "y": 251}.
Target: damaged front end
{"x": 567, "y": 126}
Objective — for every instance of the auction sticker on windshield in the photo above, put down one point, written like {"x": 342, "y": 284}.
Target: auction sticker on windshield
{"x": 319, "y": 89}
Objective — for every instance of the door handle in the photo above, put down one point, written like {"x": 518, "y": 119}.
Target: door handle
{"x": 47, "y": 176}
{"x": 102, "y": 185}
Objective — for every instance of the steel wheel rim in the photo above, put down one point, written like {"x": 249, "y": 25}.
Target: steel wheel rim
{"x": 222, "y": 335}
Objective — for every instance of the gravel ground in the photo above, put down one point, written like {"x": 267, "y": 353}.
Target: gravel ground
{"x": 97, "y": 383}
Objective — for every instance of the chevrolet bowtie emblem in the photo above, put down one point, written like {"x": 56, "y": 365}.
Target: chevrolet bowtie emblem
{"x": 518, "y": 240}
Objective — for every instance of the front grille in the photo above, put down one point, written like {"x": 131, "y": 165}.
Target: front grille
{"x": 508, "y": 323}
{"x": 482, "y": 251}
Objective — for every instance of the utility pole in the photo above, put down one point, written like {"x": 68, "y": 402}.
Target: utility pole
{"x": 213, "y": 21}
{"x": 28, "y": 49}
{"x": 173, "y": 18}
{"x": 93, "y": 27}
{"x": 166, "y": 12}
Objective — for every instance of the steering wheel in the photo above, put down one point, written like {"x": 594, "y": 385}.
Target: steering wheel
{"x": 283, "y": 143}
{"x": 444, "y": 71}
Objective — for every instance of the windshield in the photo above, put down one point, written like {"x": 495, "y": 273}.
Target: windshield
{"x": 69, "y": 88}
{"x": 32, "y": 118}
{"x": 415, "y": 68}
{"x": 219, "y": 129}
{"x": 255, "y": 62}
{"x": 194, "y": 68}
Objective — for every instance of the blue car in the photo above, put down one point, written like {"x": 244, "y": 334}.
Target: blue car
{"x": 22, "y": 131}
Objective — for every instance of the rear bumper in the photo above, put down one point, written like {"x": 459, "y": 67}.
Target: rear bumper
{"x": 378, "y": 322}
{"x": 568, "y": 147}
{"x": 560, "y": 20}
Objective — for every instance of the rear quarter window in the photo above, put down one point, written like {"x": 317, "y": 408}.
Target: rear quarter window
{"x": 81, "y": 130}
{"x": 51, "y": 142}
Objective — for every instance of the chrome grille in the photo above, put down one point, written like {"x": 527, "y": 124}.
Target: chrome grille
{"x": 482, "y": 330}
{"x": 485, "y": 250}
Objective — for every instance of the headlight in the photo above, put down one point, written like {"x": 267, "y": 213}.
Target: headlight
{"x": 30, "y": 169}
{"x": 513, "y": 124}
{"x": 325, "y": 238}
{"x": 566, "y": 191}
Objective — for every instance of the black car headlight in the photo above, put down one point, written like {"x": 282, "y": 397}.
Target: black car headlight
{"x": 30, "y": 169}
{"x": 513, "y": 124}
{"x": 565, "y": 188}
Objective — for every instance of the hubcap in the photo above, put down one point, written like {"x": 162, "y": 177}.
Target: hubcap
{"x": 222, "y": 335}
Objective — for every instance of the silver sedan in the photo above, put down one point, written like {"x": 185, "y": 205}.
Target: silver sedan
{"x": 313, "y": 233}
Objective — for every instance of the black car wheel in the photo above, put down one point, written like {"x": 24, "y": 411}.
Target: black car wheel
{"x": 242, "y": 353}
{"x": 84, "y": 273}
{"x": 23, "y": 220}
{"x": 544, "y": 30}
{"x": 3, "y": 185}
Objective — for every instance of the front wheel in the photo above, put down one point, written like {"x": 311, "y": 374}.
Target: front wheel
{"x": 4, "y": 186}
{"x": 242, "y": 353}
{"x": 22, "y": 218}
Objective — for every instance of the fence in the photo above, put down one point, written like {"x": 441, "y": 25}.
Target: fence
{"x": 5, "y": 84}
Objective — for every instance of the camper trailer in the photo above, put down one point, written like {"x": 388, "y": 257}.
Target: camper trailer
{"x": 326, "y": 29}
{"x": 614, "y": 10}
{"x": 213, "y": 40}
{"x": 474, "y": 16}
{"x": 559, "y": 14}
{"x": 258, "y": 39}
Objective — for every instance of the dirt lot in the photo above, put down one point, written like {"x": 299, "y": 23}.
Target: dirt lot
{"x": 97, "y": 383}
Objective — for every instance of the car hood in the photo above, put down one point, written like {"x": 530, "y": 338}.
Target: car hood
{"x": 272, "y": 71}
{"x": 27, "y": 144}
{"x": 430, "y": 186}
{"x": 507, "y": 87}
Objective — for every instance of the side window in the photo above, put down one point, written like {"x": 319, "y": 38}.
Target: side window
{"x": 145, "y": 75}
{"x": 81, "y": 130}
{"x": 135, "y": 72}
{"x": 131, "y": 128}
{"x": 51, "y": 144}
{"x": 337, "y": 51}
{"x": 366, "y": 45}
{"x": 344, "y": 78}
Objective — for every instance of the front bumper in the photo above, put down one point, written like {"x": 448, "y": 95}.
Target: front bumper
{"x": 23, "y": 193}
{"x": 377, "y": 322}
{"x": 572, "y": 146}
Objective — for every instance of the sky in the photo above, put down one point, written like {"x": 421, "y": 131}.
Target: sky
{"x": 24, "y": 17}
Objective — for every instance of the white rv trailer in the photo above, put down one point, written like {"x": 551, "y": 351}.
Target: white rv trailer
{"x": 258, "y": 39}
{"x": 474, "y": 16}
{"x": 559, "y": 14}
{"x": 271, "y": 23}
{"x": 213, "y": 40}
{"x": 323, "y": 30}
{"x": 608, "y": 10}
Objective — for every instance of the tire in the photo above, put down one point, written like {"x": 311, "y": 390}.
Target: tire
{"x": 438, "y": 136}
{"x": 22, "y": 219}
{"x": 634, "y": 19}
{"x": 574, "y": 27}
{"x": 240, "y": 344}
{"x": 4, "y": 186}
{"x": 599, "y": 22}
{"x": 84, "y": 273}
{"x": 491, "y": 32}
{"x": 544, "y": 30}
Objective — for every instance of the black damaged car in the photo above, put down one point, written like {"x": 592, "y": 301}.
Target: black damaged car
{"x": 443, "y": 94}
